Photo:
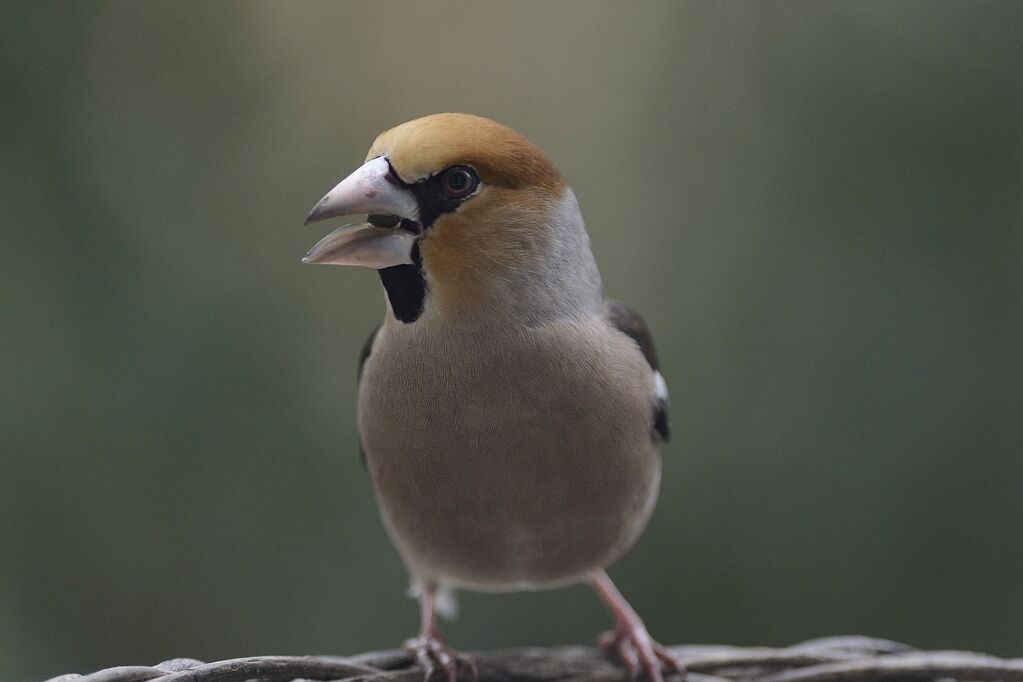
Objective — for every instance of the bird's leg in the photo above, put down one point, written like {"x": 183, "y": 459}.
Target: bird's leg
{"x": 629, "y": 640}
{"x": 429, "y": 647}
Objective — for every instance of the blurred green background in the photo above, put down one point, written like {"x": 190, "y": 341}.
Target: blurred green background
{"x": 816, "y": 206}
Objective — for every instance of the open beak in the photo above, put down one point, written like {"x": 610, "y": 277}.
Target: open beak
{"x": 383, "y": 242}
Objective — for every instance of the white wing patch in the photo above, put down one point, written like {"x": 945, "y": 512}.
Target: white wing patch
{"x": 660, "y": 388}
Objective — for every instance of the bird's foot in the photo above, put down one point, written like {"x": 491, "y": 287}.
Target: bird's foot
{"x": 436, "y": 658}
{"x": 632, "y": 644}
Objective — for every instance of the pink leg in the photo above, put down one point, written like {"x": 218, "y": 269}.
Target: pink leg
{"x": 430, "y": 649}
{"x": 630, "y": 640}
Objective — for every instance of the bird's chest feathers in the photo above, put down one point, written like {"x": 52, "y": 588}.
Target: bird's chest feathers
{"x": 445, "y": 392}
{"x": 533, "y": 394}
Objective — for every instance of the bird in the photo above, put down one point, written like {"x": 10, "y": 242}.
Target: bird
{"x": 510, "y": 416}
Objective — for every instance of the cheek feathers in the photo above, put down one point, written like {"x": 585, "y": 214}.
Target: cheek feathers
{"x": 499, "y": 231}
{"x": 503, "y": 230}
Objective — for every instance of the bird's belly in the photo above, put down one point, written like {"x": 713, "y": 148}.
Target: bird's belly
{"x": 518, "y": 472}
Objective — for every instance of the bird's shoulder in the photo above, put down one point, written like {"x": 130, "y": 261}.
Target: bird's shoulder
{"x": 631, "y": 323}
{"x": 367, "y": 350}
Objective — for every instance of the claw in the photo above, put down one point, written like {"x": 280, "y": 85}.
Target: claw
{"x": 632, "y": 645}
{"x": 434, "y": 655}
{"x": 630, "y": 641}
{"x": 625, "y": 651}
{"x": 669, "y": 660}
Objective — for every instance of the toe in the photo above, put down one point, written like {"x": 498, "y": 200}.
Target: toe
{"x": 638, "y": 653}
{"x": 651, "y": 665}
{"x": 434, "y": 657}
{"x": 426, "y": 663}
{"x": 629, "y": 657}
{"x": 669, "y": 660}
{"x": 474, "y": 670}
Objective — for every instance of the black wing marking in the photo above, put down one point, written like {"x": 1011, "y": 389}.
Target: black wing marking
{"x": 364, "y": 354}
{"x": 628, "y": 321}
{"x": 367, "y": 349}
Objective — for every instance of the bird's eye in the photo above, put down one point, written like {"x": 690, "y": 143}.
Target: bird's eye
{"x": 458, "y": 182}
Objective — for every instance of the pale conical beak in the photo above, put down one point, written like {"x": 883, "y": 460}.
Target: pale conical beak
{"x": 364, "y": 244}
{"x": 367, "y": 190}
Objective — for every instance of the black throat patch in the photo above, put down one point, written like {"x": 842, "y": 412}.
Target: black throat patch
{"x": 406, "y": 284}
{"x": 406, "y": 287}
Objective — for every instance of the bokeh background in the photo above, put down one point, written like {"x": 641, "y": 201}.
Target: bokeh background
{"x": 817, "y": 207}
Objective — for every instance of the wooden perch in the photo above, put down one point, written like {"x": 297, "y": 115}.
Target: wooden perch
{"x": 832, "y": 659}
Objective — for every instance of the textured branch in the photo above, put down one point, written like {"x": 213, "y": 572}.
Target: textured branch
{"x": 833, "y": 659}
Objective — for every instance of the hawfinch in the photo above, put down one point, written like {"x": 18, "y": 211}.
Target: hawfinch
{"x": 509, "y": 414}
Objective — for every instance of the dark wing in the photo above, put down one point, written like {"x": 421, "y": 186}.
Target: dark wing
{"x": 364, "y": 354}
{"x": 628, "y": 321}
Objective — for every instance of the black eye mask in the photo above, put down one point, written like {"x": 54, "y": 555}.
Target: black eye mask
{"x": 442, "y": 192}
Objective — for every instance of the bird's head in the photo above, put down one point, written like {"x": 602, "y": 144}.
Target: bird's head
{"x": 460, "y": 209}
